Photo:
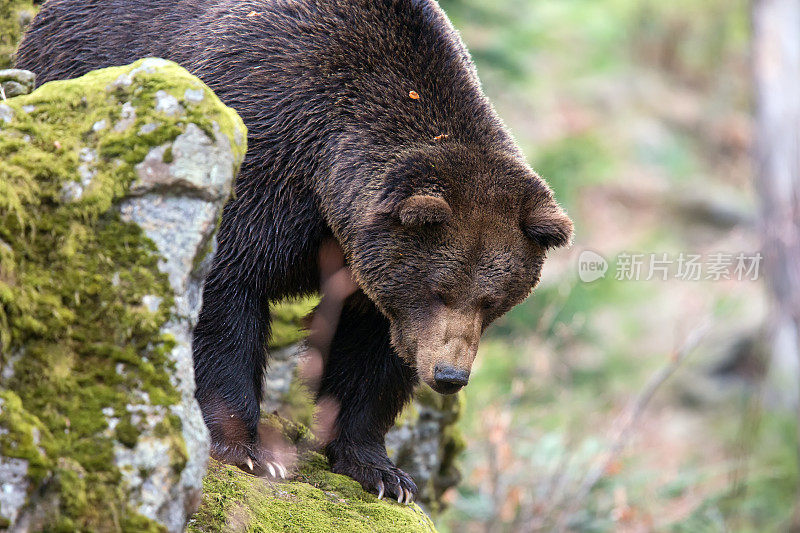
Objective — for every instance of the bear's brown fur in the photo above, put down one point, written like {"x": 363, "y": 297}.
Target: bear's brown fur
{"x": 367, "y": 124}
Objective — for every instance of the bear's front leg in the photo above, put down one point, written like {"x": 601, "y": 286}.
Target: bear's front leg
{"x": 370, "y": 384}
{"x": 229, "y": 360}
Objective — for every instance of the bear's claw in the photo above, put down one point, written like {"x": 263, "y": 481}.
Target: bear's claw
{"x": 276, "y": 469}
{"x": 266, "y": 468}
{"x": 252, "y": 459}
{"x": 381, "y": 479}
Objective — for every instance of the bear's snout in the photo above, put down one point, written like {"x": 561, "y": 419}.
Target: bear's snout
{"x": 449, "y": 379}
{"x": 443, "y": 348}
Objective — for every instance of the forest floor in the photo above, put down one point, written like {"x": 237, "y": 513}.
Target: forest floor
{"x": 638, "y": 114}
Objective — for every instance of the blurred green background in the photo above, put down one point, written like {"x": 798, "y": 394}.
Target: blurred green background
{"x": 638, "y": 113}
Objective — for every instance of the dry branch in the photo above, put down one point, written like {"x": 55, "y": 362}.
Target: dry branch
{"x": 630, "y": 421}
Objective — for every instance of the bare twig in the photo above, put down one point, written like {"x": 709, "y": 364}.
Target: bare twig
{"x": 553, "y": 492}
{"x": 629, "y": 423}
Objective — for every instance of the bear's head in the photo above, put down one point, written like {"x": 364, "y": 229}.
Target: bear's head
{"x": 453, "y": 239}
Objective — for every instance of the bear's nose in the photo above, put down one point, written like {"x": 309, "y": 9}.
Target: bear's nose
{"x": 449, "y": 379}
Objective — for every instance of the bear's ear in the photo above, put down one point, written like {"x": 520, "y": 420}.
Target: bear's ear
{"x": 548, "y": 225}
{"x": 421, "y": 209}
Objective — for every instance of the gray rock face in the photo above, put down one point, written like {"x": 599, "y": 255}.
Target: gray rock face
{"x": 6, "y": 113}
{"x": 178, "y": 210}
{"x": 13, "y": 486}
{"x": 198, "y": 166}
{"x": 178, "y": 204}
{"x": 16, "y": 82}
{"x": 121, "y": 348}
{"x": 278, "y": 381}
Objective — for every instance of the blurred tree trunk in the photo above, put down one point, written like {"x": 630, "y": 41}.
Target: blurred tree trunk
{"x": 776, "y": 67}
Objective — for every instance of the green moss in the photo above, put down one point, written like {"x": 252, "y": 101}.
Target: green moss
{"x": 168, "y": 156}
{"x": 298, "y": 403}
{"x": 72, "y": 478}
{"x": 288, "y": 320}
{"x": 78, "y": 342}
{"x": 315, "y": 501}
{"x": 23, "y": 435}
{"x": 136, "y": 523}
{"x": 14, "y": 18}
{"x": 408, "y": 415}
{"x": 294, "y": 432}
{"x": 126, "y": 432}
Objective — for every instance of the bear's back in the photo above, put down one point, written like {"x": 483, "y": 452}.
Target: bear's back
{"x": 297, "y": 71}
{"x": 71, "y": 37}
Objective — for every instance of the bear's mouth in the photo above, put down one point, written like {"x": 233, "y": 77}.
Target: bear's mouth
{"x": 446, "y": 388}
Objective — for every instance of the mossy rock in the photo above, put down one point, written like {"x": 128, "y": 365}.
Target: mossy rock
{"x": 97, "y": 418}
{"x": 315, "y": 500}
{"x": 15, "y": 15}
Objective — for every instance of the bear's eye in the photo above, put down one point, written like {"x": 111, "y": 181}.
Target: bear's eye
{"x": 441, "y": 297}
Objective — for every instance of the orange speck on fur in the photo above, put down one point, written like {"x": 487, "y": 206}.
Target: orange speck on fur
{"x": 414, "y": 95}
{"x": 441, "y": 137}
{"x": 253, "y": 14}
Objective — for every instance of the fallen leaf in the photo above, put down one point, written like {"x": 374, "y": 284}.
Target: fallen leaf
{"x": 414, "y": 95}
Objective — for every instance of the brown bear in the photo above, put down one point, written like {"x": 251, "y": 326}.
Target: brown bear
{"x": 367, "y": 125}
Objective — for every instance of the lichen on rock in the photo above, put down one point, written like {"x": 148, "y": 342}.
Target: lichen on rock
{"x": 100, "y": 275}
